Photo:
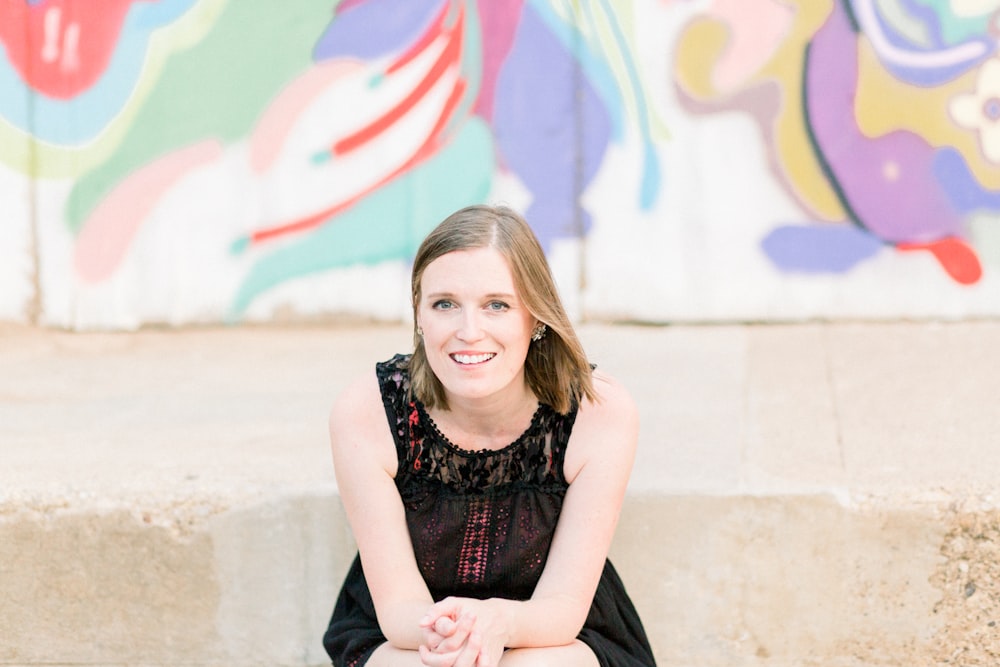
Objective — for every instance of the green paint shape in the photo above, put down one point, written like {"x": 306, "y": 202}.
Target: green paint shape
{"x": 955, "y": 28}
{"x": 472, "y": 64}
{"x": 388, "y": 225}
{"x": 217, "y": 89}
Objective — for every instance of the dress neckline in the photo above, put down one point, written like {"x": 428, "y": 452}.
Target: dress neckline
{"x": 536, "y": 419}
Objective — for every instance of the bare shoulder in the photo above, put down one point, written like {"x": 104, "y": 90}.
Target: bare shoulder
{"x": 614, "y": 403}
{"x": 606, "y": 431}
{"x": 358, "y": 423}
{"x": 360, "y": 397}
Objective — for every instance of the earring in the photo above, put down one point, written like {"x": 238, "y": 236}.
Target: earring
{"x": 538, "y": 332}
{"x": 420, "y": 332}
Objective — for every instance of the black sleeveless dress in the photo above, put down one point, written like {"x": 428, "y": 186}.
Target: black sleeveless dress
{"x": 481, "y": 524}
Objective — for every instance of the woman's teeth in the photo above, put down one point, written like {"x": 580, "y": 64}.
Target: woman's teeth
{"x": 472, "y": 358}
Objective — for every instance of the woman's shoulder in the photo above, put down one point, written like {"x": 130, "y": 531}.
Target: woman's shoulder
{"x": 606, "y": 430}
{"x": 357, "y": 420}
{"x": 611, "y": 400}
{"x": 362, "y": 401}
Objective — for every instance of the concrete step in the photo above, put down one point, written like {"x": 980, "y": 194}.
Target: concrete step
{"x": 811, "y": 494}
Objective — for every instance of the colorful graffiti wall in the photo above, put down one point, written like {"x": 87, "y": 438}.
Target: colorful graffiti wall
{"x": 204, "y": 161}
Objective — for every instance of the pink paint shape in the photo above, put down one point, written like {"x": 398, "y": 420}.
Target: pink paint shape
{"x": 108, "y": 232}
{"x": 756, "y": 28}
{"x": 281, "y": 116}
{"x": 499, "y": 20}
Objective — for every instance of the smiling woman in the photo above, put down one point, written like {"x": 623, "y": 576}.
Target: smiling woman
{"x": 483, "y": 474}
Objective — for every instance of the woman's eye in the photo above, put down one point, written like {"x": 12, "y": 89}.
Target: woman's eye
{"x": 443, "y": 304}
{"x": 497, "y": 306}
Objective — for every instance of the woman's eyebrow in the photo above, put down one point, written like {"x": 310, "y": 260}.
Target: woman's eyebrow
{"x": 491, "y": 295}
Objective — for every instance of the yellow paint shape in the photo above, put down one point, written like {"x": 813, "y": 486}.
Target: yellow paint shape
{"x": 791, "y": 136}
{"x": 699, "y": 47}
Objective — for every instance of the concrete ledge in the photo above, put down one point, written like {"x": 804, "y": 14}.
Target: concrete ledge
{"x": 794, "y": 580}
{"x": 804, "y": 495}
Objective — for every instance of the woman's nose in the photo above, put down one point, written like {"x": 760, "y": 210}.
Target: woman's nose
{"x": 471, "y": 329}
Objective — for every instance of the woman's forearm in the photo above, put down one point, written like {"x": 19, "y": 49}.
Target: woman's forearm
{"x": 400, "y": 623}
{"x": 552, "y": 621}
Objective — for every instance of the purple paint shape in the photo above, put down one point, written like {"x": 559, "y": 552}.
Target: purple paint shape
{"x": 367, "y": 30}
{"x": 819, "y": 249}
{"x": 887, "y": 183}
{"x": 551, "y": 128}
{"x": 960, "y": 183}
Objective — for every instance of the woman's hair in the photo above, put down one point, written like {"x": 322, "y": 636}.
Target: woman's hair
{"x": 556, "y": 368}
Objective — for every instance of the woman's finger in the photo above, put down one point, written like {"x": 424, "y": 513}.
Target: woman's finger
{"x": 459, "y": 635}
{"x": 470, "y": 652}
{"x": 445, "y": 626}
{"x": 433, "y": 659}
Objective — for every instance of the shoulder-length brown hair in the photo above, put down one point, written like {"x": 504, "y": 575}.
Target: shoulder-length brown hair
{"x": 556, "y": 368}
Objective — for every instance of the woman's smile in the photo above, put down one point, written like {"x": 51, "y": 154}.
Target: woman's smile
{"x": 472, "y": 359}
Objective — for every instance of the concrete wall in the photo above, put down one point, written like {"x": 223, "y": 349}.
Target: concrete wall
{"x": 192, "y": 161}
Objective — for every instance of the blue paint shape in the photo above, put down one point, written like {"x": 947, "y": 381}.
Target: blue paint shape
{"x": 928, "y": 77}
{"x": 598, "y": 74}
{"x": 931, "y": 73}
{"x": 376, "y": 28}
{"x": 650, "y": 162}
{"x": 551, "y": 130}
{"x": 819, "y": 249}
{"x": 961, "y": 185}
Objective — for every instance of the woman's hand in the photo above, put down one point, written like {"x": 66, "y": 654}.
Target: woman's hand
{"x": 446, "y": 640}
{"x": 463, "y": 632}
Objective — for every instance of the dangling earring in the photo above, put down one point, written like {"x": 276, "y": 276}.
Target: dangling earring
{"x": 538, "y": 332}
{"x": 420, "y": 332}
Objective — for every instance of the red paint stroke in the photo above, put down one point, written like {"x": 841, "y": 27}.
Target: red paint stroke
{"x": 108, "y": 232}
{"x": 956, "y": 257}
{"x": 424, "y": 152}
{"x": 454, "y": 99}
{"x": 436, "y": 28}
{"x": 281, "y": 116}
{"x": 449, "y": 57}
{"x": 61, "y": 47}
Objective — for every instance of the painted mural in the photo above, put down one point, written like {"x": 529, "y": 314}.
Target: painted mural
{"x": 182, "y": 161}
{"x": 320, "y": 135}
{"x": 881, "y": 118}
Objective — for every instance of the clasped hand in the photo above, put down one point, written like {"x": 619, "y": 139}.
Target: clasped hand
{"x": 462, "y": 632}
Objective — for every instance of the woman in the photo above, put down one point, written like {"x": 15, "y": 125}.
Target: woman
{"x": 483, "y": 474}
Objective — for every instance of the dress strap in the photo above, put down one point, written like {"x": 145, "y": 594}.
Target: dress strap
{"x": 394, "y": 384}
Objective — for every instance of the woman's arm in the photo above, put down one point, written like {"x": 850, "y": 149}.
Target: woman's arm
{"x": 598, "y": 463}
{"x": 364, "y": 457}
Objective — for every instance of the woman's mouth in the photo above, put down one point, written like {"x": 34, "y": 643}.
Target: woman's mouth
{"x": 472, "y": 359}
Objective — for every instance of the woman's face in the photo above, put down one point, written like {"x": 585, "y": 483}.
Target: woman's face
{"x": 476, "y": 330}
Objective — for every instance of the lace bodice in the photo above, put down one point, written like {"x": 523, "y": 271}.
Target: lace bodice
{"x": 481, "y": 522}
